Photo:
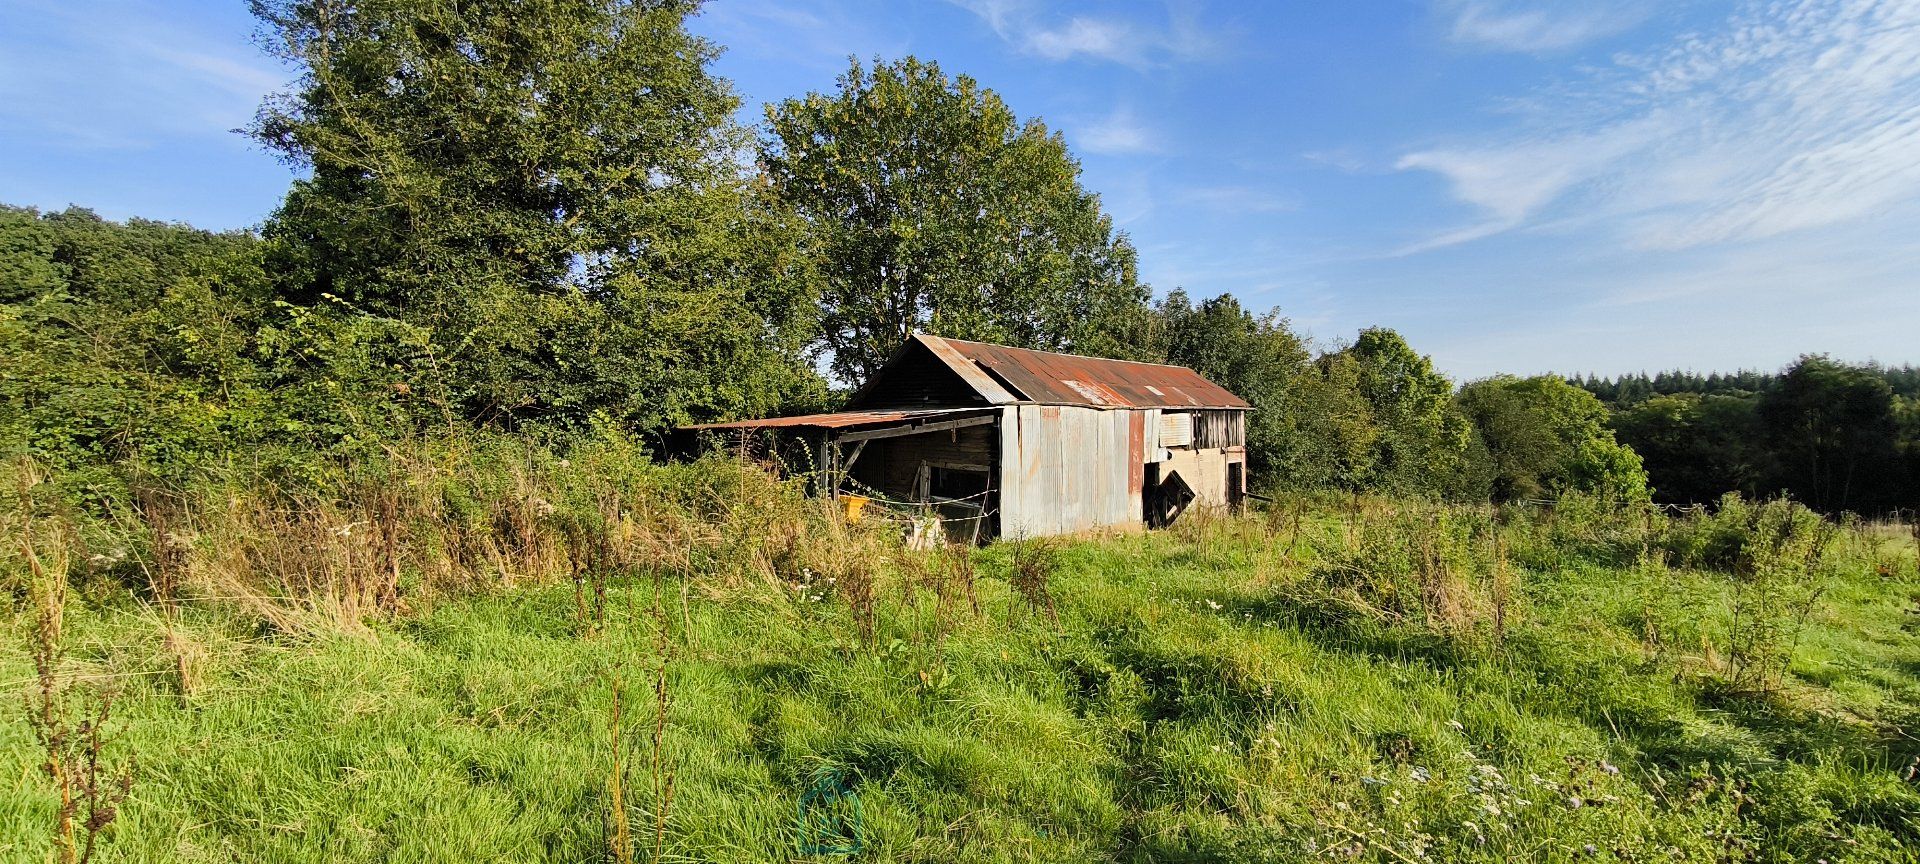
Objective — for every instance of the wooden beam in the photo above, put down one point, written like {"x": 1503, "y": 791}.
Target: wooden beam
{"x": 854, "y": 456}
{"x": 897, "y": 431}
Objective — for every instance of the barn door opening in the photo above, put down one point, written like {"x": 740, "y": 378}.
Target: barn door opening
{"x": 1171, "y": 497}
{"x": 1150, "y": 495}
{"x": 1236, "y": 485}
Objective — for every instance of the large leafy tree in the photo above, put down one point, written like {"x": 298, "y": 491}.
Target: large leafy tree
{"x": 1543, "y": 436}
{"x": 553, "y": 191}
{"x": 1696, "y": 447}
{"x": 1421, "y": 441}
{"x": 931, "y": 207}
{"x": 126, "y": 343}
{"x": 1834, "y": 430}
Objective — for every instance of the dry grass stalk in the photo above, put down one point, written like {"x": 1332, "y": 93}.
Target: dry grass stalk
{"x": 166, "y": 566}
{"x": 73, "y": 754}
{"x": 663, "y": 775}
{"x": 1500, "y": 589}
{"x": 619, "y": 832}
{"x": 1914, "y": 527}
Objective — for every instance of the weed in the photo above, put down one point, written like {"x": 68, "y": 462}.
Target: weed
{"x": 1034, "y": 564}
{"x": 1777, "y": 583}
{"x": 619, "y": 831}
{"x": 89, "y": 786}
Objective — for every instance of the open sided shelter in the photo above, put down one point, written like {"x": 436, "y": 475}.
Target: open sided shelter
{"x": 1019, "y": 443}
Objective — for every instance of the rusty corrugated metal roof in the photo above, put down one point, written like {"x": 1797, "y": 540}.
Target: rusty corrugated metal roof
{"x": 1070, "y": 379}
{"x": 840, "y": 419}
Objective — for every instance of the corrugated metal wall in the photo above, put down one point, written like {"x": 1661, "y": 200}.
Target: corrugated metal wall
{"x": 1066, "y": 469}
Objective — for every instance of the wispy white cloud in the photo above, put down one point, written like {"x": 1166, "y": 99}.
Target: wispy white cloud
{"x": 1237, "y": 199}
{"x": 1118, "y": 40}
{"x": 1118, "y": 134}
{"x": 1536, "y": 26}
{"x": 1792, "y": 116}
{"x": 148, "y": 80}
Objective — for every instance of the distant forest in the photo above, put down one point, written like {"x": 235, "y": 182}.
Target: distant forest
{"x": 1837, "y": 436}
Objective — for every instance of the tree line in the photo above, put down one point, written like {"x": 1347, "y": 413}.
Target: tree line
{"x": 1834, "y": 435}
{"x": 547, "y": 222}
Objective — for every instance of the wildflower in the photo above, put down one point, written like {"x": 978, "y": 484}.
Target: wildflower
{"x": 1457, "y": 726}
{"x": 1419, "y": 774}
{"x": 1212, "y": 605}
{"x": 1609, "y": 768}
{"x": 1574, "y": 802}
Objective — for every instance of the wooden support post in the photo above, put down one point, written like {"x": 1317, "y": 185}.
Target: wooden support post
{"x": 854, "y": 456}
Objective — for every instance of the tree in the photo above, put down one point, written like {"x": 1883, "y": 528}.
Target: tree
{"x": 27, "y": 268}
{"x": 1543, "y": 436}
{"x": 1697, "y": 448}
{"x": 134, "y": 343}
{"x": 1834, "y": 429}
{"x": 552, "y": 191}
{"x": 930, "y": 207}
{"x": 1421, "y": 440}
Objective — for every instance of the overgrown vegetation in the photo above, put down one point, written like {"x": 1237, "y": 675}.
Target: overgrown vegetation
{"x": 1367, "y": 678}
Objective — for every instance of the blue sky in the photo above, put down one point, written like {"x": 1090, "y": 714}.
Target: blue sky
{"x": 1516, "y": 185}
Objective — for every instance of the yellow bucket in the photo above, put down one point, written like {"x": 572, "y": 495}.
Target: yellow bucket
{"x": 855, "y": 504}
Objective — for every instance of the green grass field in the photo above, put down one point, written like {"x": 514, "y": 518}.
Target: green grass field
{"x": 1219, "y": 693}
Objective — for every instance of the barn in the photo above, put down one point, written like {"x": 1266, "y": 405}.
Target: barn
{"x": 1015, "y": 443}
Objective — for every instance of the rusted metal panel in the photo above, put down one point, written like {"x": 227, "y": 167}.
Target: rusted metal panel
{"x": 1070, "y": 379}
{"x": 1136, "y": 452}
{"x": 844, "y": 419}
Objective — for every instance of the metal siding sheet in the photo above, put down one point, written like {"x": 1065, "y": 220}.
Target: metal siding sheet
{"x": 1176, "y": 430}
{"x": 1036, "y": 459}
{"x": 1136, "y": 451}
{"x": 1120, "y": 468}
{"x": 1008, "y": 456}
{"x": 1068, "y": 439}
{"x": 1067, "y": 469}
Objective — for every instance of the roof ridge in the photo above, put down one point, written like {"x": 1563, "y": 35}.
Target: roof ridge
{"x": 1059, "y": 353}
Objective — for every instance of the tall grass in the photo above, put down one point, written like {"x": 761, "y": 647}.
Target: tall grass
{"x": 437, "y": 658}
